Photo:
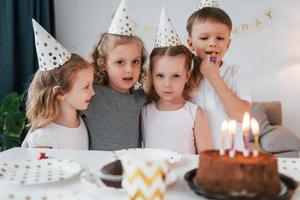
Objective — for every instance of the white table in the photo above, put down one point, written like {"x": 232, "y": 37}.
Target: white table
{"x": 94, "y": 160}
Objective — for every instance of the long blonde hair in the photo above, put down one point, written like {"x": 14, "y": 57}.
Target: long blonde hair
{"x": 106, "y": 44}
{"x": 194, "y": 79}
{"x": 42, "y": 105}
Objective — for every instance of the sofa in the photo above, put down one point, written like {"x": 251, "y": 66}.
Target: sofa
{"x": 274, "y": 137}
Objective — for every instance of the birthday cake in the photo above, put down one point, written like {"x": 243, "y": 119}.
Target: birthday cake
{"x": 239, "y": 175}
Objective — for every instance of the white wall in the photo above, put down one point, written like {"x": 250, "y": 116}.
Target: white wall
{"x": 270, "y": 51}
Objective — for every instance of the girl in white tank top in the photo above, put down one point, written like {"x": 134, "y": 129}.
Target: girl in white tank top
{"x": 170, "y": 121}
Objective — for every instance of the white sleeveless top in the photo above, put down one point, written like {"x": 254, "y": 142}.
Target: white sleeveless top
{"x": 60, "y": 137}
{"x": 172, "y": 130}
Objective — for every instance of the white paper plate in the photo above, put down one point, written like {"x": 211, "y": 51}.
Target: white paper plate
{"x": 32, "y": 172}
{"x": 48, "y": 196}
{"x": 170, "y": 156}
{"x": 93, "y": 180}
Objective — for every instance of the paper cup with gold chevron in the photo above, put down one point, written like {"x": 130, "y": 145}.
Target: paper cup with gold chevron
{"x": 144, "y": 178}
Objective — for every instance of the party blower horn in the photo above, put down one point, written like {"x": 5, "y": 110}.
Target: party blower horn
{"x": 213, "y": 57}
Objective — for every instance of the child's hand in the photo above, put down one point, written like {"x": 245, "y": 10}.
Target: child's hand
{"x": 209, "y": 69}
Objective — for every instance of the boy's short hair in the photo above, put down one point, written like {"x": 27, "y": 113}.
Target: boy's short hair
{"x": 208, "y": 13}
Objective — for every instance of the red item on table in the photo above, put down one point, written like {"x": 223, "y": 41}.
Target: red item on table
{"x": 43, "y": 156}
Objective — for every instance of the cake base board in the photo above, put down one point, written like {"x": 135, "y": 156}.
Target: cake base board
{"x": 288, "y": 187}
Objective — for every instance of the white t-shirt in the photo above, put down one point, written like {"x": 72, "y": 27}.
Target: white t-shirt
{"x": 171, "y": 130}
{"x": 207, "y": 98}
{"x": 60, "y": 137}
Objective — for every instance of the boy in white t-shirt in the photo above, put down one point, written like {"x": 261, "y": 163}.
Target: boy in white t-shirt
{"x": 223, "y": 93}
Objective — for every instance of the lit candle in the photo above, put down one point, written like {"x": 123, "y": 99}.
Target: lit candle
{"x": 246, "y": 133}
{"x": 232, "y": 127}
{"x": 224, "y": 129}
{"x": 255, "y": 131}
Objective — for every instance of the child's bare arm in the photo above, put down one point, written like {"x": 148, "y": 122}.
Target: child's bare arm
{"x": 25, "y": 141}
{"x": 234, "y": 106}
{"x": 26, "y": 145}
{"x": 201, "y": 132}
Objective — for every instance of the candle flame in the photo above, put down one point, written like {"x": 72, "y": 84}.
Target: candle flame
{"x": 224, "y": 126}
{"x": 246, "y": 122}
{"x": 254, "y": 127}
{"x": 232, "y": 127}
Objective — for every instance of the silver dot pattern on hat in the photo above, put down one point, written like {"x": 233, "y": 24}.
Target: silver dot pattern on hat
{"x": 122, "y": 24}
{"x": 208, "y": 3}
{"x": 166, "y": 34}
{"x": 48, "y": 49}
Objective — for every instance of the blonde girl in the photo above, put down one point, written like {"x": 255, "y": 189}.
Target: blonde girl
{"x": 54, "y": 97}
{"x": 114, "y": 114}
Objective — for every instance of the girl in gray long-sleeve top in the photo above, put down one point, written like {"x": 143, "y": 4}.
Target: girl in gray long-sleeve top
{"x": 113, "y": 117}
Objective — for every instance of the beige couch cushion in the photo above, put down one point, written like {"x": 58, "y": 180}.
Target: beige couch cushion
{"x": 274, "y": 137}
{"x": 274, "y": 112}
{"x": 259, "y": 112}
{"x": 280, "y": 140}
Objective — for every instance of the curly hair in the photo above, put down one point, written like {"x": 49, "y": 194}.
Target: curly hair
{"x": 193, "y": 81}
{"x": 42, "y": 104}
{"x": 106, "y": 44}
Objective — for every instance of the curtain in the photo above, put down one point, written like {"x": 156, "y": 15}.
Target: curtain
{"x": 18, "y": 59}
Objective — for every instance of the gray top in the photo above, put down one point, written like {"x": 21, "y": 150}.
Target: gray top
{"x": 113, "y": 119}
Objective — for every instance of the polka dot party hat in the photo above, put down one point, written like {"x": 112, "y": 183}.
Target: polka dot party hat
{"x": 208, "y": 3}
{"x": 122, "y": 24}
{"x": 51, "y": 54}
{"x": 166, "y": 33}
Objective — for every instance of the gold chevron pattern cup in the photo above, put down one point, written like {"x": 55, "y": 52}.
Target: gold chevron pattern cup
{"x": 144, "y": 176}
